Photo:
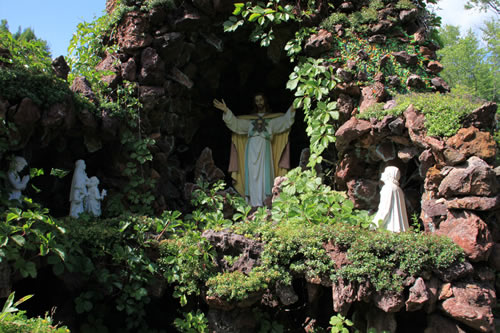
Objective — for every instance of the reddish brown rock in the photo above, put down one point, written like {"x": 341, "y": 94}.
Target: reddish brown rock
{"x": 385, "y": 151}
{"x": 453, "y": 157}
{"x": 363, "y": 192}
{"x": 473, "y": 178}
{"x": 440, "y": 85}
{"x": 472, "y": 142}
{"x": 343, "y": 294}
{"x": 129, "y": 70}
{"x": 445, "y": 291}
{"x": 27, "y": 114}
{"x": 60, "y": 67}
{"x": 439, "y": 324}
{"x": 468, "y": 231}
{"x": 388, "y": 301}
{"x": 345, "y": 105}
{"x": 434, "y": 67}
{"x": 190, "y": 20}
{"x": 377, "y": 39}
{"x": 426, "y": 162}
{"x": 494, "y": 258}
{"x": 474, "y": 203}
{"x": 110, "y": 66}
{"x": 418, "y": 296}
{"x": 249, "y": 250}
{"x": 427, "y": 52}
{"x": 471, "y": 304}
{"x": 349, "y": 131}
{"x": 432, "y": 291}
{"x": 132, "y": 34}
{"x": 405, "y": 154}
{"x": 319, "y": 43}
{"x": 408, "y": 15}
{"x": 432, "y": 213}
{"x": 483, "y": 117}
{"x": 87, "y": 119}
{"x": 404, "y": 58}
{"x": 206, "y": 168}
{"x": 82, "y": 86}
{"x": 415, "y": 123}
{"x": 370, "y": 95}
{"x": 178, "y": 76}
{"x": 415, "y": 81}
{"x": 152, "y": 70}
{"x": 286, "y": 294}
{"x": 457, "y": 270}
{"x": 380, "y": 27}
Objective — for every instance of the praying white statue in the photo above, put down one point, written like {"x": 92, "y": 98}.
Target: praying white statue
{"x": 260, "y": 144}
{"x": 94, "y": 197}
{"x": 78, "y": 192}
{"x": 17, "y": 183}
{"x": 392, "y": 207}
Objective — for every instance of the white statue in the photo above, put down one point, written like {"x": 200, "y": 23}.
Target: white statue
{"x": 78, "y": 192}
{"x": 94, "y": 197}
{"x": 17, "y": 184}
{"x": 392, "y": 207}
{"x": 256, "y": 174}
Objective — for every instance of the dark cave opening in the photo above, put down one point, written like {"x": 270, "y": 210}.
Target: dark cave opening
{"x": 246, "y": 71}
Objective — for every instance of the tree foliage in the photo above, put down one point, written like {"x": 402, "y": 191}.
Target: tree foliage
{"x": 484, "y": 5}
{"x": 469, "y": 67}
{"x": 26, "y": 49}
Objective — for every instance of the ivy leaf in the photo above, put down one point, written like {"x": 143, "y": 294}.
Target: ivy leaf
{"x": 292, "y": 84}
{"x": 253, "y": 17}
{"x": 18, "y": 239}
{"x": 238, "y": 7}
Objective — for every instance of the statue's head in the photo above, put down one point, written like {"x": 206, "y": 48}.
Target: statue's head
{"x": 260, "y": 103}
{"x": 80, "y": 164}
{"x": 93, "y": 181}
{"x": 18, "y": 163}
{"x": 391, "y": 174}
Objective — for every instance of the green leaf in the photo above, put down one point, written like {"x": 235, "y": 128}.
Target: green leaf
{"x": 292, "y": 84}
{"x": 253, "y": 17}
{"x": 18, "y": 239}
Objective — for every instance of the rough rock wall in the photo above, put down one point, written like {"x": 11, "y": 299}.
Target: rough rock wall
{"x": 452, "y": 187}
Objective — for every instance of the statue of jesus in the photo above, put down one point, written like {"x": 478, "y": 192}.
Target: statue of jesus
{"x": 260, "y": 146}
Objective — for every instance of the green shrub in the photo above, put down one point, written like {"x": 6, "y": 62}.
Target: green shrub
{"x": 12, "y": 320}
{"x": 405, "y": 4}
{"x": 237, "y": 286}
{"x": 443, "y": 112}
{"x": 334, "y": 19}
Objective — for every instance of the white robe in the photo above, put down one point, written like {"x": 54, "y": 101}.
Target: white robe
{"x": 392, "y": 207}
{"x": 259, "y": 173}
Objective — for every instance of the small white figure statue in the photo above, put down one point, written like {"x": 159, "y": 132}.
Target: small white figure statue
{"x": 392, "y": 207}
{"x": 78, "y": 192}
{"x": 94, "y": 198}
{"x": 17, "y": 184}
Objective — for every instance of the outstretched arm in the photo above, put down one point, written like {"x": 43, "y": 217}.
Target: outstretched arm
{"x": 220, "y": 105}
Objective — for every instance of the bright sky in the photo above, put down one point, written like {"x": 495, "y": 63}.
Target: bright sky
{"x": 452, "y": 12}
{"x": 56, "y": 20}
{"x": 52, "y": 20}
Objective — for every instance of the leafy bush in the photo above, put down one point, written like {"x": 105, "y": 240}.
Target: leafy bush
{"x": 27, "y": 234}
{"x": 42, "y": 88}
{"x": 237, "y": 286}
{"x": 443, "y": 112}
{"x": 386, "y": 259}
{"x": 29, "y": 53}
{"x": 334, "y": 19}
{"x": 193, "y": 322}
{"x": 12, "y": 320}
